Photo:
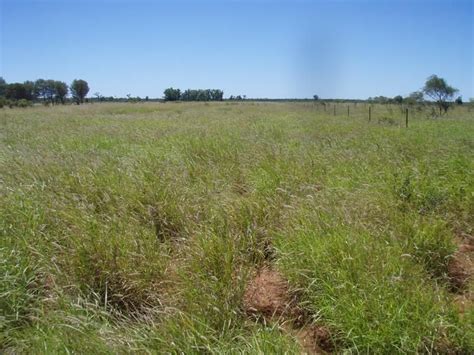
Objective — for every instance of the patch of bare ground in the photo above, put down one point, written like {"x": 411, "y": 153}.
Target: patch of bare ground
{"x": 268, "y": 298}
{"x": 461, "y": 272}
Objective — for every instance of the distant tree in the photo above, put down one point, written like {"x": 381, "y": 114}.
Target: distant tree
{"x": 415, "y": 97}
{"x": 41, "y": 89}
{"x": 30, "y": 89}
{"x": 204, "y": 95}
{"x": 315, "y": 97}
{"x": 146, "y": 98}
{"x": 189, "y": 95}
{"x": 50, "y": 90}
{"x": 50, "y": 87}
{"x": 60, "y": 91}
{"x": 379, "y": 99}
{"x": 458, "y": 100}
{"x": 171, "y": 94}
{"x": 440, "y": 91}
{"x": 3, "y": 87}
{"x": 383, "y": 99}
{"x": 19, "y": 91}
{"x": 79, "y": 90}
{"x": 216, "y": 94}
{"x": 14, "y": 90}
{"x": 398, "y": 99}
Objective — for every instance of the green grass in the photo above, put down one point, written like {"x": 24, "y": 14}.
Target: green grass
{"x": 135, "y": 227}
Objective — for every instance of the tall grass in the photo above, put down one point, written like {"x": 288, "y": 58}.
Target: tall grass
{"x": 137, "y": 227}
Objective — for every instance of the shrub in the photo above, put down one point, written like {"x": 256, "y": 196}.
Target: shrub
{"x": 3, "y": 102}
{"x": 24, "y": 103}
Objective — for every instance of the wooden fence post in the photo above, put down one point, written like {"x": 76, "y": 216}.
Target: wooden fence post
{"x": 406, "y": 117}
{"x": 370, "y": 113}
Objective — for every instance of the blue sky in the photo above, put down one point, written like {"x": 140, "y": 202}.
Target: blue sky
{"x": 274, "y": 49}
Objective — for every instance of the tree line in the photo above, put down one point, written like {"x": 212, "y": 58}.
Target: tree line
{"x": 56, "y": 92}
{"x": 435, "y": 88}
{"x": 46, "y": 91}
{"x": 171, "y": 94}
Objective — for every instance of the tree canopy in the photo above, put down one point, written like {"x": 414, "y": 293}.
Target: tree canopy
{"x": 79, "y": 90}
{"x": 19, "y": 91}
{"x": 438, "y": 89}
{"x": 3, "y": 86}
{"x": 415, "y": 97}
{"x": 171, "y": 94}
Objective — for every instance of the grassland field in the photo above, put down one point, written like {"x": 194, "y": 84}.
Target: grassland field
{"x": 137, "y": 228}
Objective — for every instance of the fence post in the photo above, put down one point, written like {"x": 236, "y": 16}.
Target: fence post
{"x": 347, "y": 110}
{"x": 406, "y": 117}
{"x": 370, "y": 113}
{"x": 334, "y": 109}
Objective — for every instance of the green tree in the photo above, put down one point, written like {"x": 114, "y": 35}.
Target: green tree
{"x": 398, "y": 99}
{"x": 50, "y": 88}
{"x": 415, "y": 97}
{"x": 203, "y": 95}
{"x": 217, "y": 95}
{"x": 79, "y": 90}
{"x": 437, "y": 88}
{"x": 171, "y": 94}
{"x": 30, "y": 89}
{"x": 19, "y": 91}
{"x": 45, "y": 89}
{"x": 60, "y": 91}
{"x": 40, "y": 89}
{"x": 194, "y": 95}
{"x": 3, "y": 86}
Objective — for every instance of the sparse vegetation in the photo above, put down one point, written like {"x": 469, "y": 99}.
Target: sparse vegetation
{"x": 138, "y": 228}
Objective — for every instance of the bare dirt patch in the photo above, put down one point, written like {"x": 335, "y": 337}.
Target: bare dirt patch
{"x": 267, "y": 295}
{"x": 314, "y": 340}
{"x": 461, "y": 266}
{"x": 268, "y": 298}
{"x": 461, "y": 273}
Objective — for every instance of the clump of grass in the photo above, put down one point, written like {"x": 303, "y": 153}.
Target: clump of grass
{"x": 431, "y": 244}
{"x": 370, "y": 294}
{"x": 18, "y": 294}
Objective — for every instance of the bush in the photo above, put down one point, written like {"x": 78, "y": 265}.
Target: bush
{"x": 3, "y": 102}
{"x": 24, "y": 103}
{"x": 14, "y": 103}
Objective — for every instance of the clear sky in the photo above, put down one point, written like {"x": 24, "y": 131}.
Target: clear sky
{"x": 274, "y": 49}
